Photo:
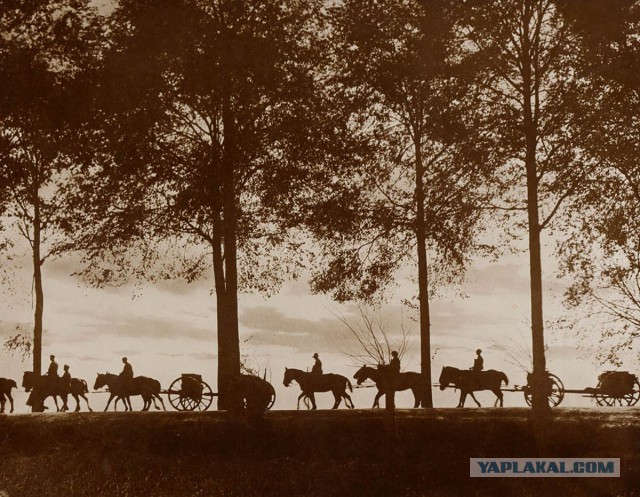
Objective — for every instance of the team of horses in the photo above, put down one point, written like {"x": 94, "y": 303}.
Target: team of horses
{"x": 120, "y": 389}
{"x": 466, "y": 381}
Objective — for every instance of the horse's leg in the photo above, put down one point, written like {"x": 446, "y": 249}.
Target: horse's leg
{"x": 463, "y": 396}
{"x": 87, "y": 401}
{"x": 299, "y": 397}
{"x": 111, "y": 396}
{"x": 376, "y": 401}
{"x": 75, "y": 396}
{"x": 347, "y": 401}
{"x": 157, "y": 395}
{"x": 417, "y": 398}
{"x": 313, "y": 401}
{"x": 65, "y": 406}
{"x": 499, "y": 397}
{"x": 338, "y": 398}
{"x": 3, "y": 401}
{"x": 474, "y": 398}
{"x": 10, "y": 400}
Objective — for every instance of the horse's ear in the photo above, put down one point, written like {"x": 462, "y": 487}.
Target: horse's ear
{"x": 286, "y": 368}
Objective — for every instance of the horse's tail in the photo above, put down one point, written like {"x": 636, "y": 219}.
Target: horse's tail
{"x": 349, "y": 384}
{"x": 12, "y": 384}
{"x": 504, "y": 378}
{"x": 86, "y": 387}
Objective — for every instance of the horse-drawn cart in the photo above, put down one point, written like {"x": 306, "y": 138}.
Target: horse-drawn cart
{"x": 554, "y": 389}
{"x": 615, "y": 388}
{"x": 191, "y": 393}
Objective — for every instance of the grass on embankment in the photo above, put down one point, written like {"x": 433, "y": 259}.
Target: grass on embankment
{"x": 421, "y": 452}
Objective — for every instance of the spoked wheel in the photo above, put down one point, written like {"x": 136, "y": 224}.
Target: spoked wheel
{"x": 184, "y": 397}
{"x": 555, "y": 391}
{"x": 273, "y": 398}
{"x": 633, "y": 398}
{"x": 175, "y": 395}
{"x": 203, "y": 402}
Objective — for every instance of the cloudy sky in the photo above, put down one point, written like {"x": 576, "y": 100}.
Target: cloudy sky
{"x": 169, "y": 328}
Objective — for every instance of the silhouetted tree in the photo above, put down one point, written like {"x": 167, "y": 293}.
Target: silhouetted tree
{"x": 208, "y": 110}
{"x": 409, "y": 191}
{"x": 603, "y": 254}
{"x": 44, "y": 46}
{"x": 525, "y": 55}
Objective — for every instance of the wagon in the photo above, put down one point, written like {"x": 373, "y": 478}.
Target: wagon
{"x": 615, "y": 388}
{"x": 191, "y": 393}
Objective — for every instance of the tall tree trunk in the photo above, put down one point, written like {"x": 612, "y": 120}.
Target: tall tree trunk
{"x": 423, "y": 277}
{"x": 37, "y": 281}
{"x": 540, "y": 402}
{"x": 228, "y": 329}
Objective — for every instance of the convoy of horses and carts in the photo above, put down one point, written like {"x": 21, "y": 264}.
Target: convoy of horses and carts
{"x": 190, "y": 393}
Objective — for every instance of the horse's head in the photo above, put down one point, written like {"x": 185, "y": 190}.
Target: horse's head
{"x": 447, "y": 376}
{"x": 362, "y": 374}
{"x": 101, "y": 381}
{"x": 28, "y": 380}
{"x": 289, "y": 376}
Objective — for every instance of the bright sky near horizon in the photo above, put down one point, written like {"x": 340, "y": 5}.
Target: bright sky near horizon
{"x": 169, "y": 328}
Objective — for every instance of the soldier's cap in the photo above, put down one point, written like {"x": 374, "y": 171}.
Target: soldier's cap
{"x": 315, "y": 355}
{"x": 124, "y": 359}
{"x": 66, "y": 367}
{"x": 478, "y": 351}
{"x": 394, "y": 353}
{"x": 52, "y": 357}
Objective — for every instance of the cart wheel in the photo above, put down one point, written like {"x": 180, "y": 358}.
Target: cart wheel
{"x": 200, "y": 403}
{"x": 633, "y": 398}
{"x": 175, "y": 395}
{"x": 273, "y": 397}
{"x": 206, "y": 399}
{"x": 555, "y": 392}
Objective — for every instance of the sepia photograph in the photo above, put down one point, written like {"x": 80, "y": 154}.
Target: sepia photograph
{"x": 319, "y": 248}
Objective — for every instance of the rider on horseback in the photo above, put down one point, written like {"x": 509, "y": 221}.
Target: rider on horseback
{"x": 52, "y": 372}
{"x": 52, "y": 377}
{"x": 126, "y": 375}
{"x": 317, "y": 365}
{"x": 127, "y": 370}
{"x": 65, "y": 382}
{"x": 478, "y": 366}
{"x": 478, "y": 362}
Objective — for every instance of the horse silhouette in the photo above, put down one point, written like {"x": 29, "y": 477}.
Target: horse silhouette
{"x": 311, "y": 383}
{"x": 5, "y": 393}
{"x": 405, "y": 381}
{"x": 472, "y": 381}
{"x": 42, "y": 387}
{"x": 147, "y": 388}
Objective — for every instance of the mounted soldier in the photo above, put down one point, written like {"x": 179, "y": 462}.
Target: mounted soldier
{"x": 478, "y": 362}
{"x": 65, "y": 382}
{"x": 476, "y": 369}
{"x": 317, "y": 365}
{"x": 52, "y": 372}
{"x": 126, "y": 376}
